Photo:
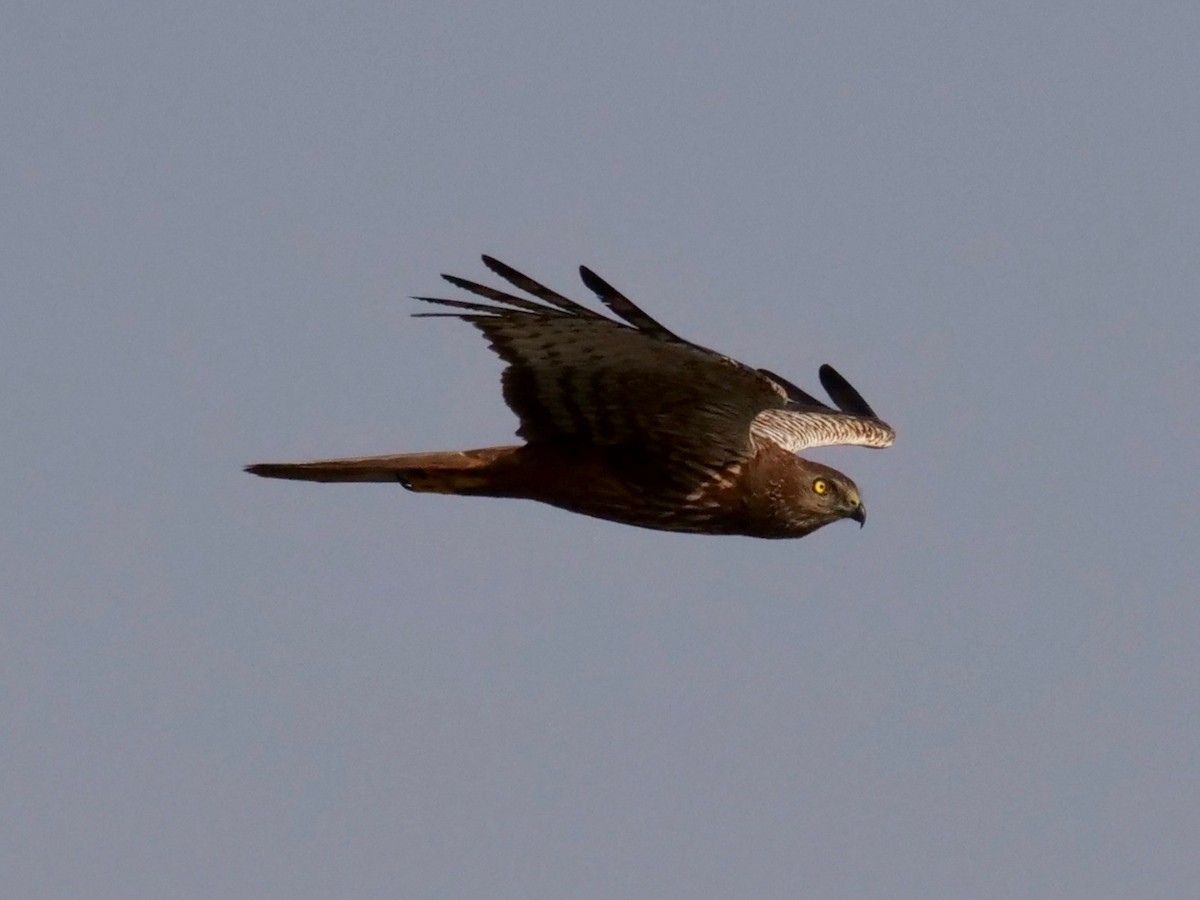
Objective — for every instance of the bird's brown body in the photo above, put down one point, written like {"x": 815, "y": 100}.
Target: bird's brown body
{"x": 630, "y": 423}
{"x": 757, "y": 497}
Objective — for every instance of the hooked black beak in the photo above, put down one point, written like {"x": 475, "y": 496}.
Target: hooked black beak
{"x": 859, "y": 514}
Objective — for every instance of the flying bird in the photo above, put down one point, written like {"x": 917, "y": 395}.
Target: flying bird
{"x": 625, "y": 420}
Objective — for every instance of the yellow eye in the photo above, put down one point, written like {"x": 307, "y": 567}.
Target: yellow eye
{"x": 820, "y": 486}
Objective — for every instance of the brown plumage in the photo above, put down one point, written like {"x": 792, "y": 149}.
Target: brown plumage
{"x": 626, "y": 421}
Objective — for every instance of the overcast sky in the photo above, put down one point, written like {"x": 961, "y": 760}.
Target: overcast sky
{"x": 211, "y": 216}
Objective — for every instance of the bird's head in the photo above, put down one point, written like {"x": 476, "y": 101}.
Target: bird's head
{"x": 831, "y": 495}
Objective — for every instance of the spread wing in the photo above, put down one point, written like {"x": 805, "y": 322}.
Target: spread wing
{"x": 574, "y": 374}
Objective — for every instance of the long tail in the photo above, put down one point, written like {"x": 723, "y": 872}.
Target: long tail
{"x": 440, "y": 472}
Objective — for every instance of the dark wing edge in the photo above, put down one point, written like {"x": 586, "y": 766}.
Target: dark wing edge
{"x": 552, "y": 302}
{"x": 624, "y": 307}
{"x": 843, "y": 393}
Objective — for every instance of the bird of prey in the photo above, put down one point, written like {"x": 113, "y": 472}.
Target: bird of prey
{"x": 624, "y": 420}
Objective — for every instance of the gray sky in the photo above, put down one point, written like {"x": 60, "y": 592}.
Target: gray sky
{"x": 213, "y": 685}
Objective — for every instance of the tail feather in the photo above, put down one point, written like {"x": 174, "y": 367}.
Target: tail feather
{"x": 442, "y": 471}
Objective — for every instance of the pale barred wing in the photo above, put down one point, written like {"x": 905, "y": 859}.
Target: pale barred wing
{"x": 575, "y": 374}
{"x": 798, "y": 430}
{"x": 806, "y": 422}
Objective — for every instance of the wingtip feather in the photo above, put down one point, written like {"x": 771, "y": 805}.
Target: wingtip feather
{"x": 843, "y": 393}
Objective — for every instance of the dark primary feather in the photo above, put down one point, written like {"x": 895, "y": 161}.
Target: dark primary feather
{"x": 843, "y": 394}
{"x": 846, "y": 397}
{"x": 528, "y": 285}
{"x": 623, "y": 306}
{"x": 490, "y": 293}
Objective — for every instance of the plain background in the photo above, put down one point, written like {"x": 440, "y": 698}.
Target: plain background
{"x": 986, "y": 215}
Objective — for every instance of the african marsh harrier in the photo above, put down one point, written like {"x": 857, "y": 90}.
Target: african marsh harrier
{"x": 624, "y": 420}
